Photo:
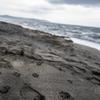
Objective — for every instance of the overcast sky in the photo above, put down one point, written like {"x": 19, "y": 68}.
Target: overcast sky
{"x": 78, "y": 12}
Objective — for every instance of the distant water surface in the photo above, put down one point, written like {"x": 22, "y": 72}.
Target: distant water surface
{"x": 73, "y": 31}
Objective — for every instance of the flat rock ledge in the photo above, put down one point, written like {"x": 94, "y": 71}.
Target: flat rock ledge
{"x": 35, "y": 65}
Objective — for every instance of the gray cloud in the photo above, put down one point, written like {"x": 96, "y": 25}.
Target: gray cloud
{"x": 37, "y": 10}
{"x": 76, "y": 2}
{"x": 41, "y": 10}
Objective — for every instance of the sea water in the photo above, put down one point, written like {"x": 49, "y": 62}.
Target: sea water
{"x": 89, "y": 36}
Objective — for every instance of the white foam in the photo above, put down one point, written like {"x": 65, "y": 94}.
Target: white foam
{"x": 86, "y": 43}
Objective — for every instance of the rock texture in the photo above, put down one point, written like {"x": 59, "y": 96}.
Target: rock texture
{"x": 38, "y": 66}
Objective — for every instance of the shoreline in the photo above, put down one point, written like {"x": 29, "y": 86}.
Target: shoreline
{"x": 35, "y": 65}
{"x": 87, "y": 43}
{"x": 76, "y": 40}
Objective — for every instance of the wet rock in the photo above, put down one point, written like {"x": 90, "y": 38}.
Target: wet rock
{"x": 22, "y": 53}
{"x": 34, "y": 57}
{"x": 60, "y": 69}
{"x": 70, "y": 60}
{"x": 72, "y": 49}
{"x": 97, "y": 63}
{"x": 2, "y": 30}
{"x": 67, "y": 41}
{"x": 70, "y": 81}
{"x": 5, "y": 89}
{"x": 12, "y": 43}
{"x": 53, "y": 53}
{"x": 96, "y": 73}
{"x": 73, "y": 55}
{"x": 81, "y": 62}
{"x": 89, "y": 56}
{"x": 88, "y": 78}
{"x": 65, "y": 95}
{"x": 39, "y": 63}
{"x": 14, "y": 52}
{"x": 16, "y": 74}
{"x": 0, "y": 73}
{"x": 3, "y": 49}
{"x": 79, "y": 69}
{"x": 0, "y": 42}
{"x": 96, "y": 80}
{"x": 35, "y": 75}
{"x": 6, "y": 65}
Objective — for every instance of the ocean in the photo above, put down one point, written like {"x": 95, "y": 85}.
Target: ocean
{"x": 89, "y": 36}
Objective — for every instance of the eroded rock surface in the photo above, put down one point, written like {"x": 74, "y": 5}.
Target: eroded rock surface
{"x": 38, "y": 66}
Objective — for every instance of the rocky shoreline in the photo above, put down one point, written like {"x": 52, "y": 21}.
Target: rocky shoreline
{"x": 39, "y": 66}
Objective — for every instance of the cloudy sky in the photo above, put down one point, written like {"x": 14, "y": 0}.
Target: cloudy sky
{"x": 78, "y": 12}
